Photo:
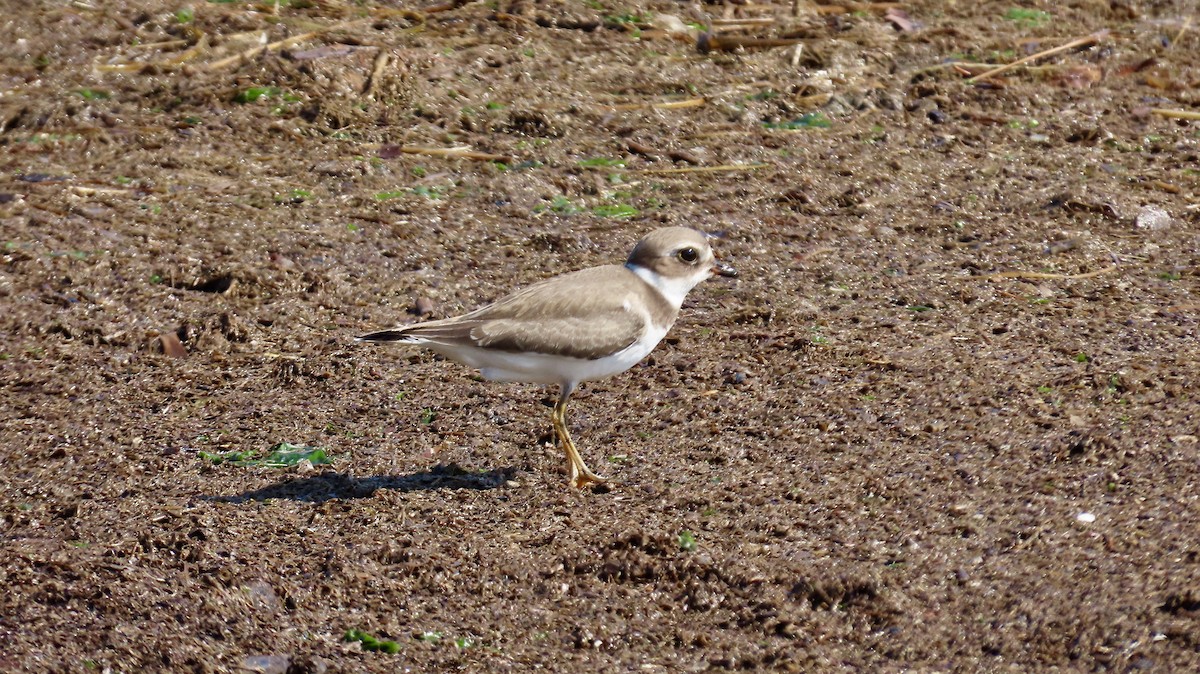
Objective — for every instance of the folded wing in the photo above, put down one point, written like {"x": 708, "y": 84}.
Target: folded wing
{"x": 556, "y": 317}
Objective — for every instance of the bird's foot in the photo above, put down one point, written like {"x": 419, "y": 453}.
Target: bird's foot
{"x": 587, "y": 479}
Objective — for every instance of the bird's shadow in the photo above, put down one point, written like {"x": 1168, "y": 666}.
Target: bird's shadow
{"x": 331, "y": 485}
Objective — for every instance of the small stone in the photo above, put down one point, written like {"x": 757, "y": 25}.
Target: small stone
{"x": 172, "y": 346}
{"x": 671, "y": 24}
{"x": 1086, "y": 518}
{"x": 267, "y": 664}
{"x": 1152, "y": 218}
{"x": 423, "y": 306}
{"x": 308, "y": 665}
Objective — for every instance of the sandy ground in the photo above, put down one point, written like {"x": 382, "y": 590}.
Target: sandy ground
{"x": 945, "y": 420}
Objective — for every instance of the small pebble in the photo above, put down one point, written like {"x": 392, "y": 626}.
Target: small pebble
{"x": 267, "y": 664}
{"x": 423, "y": 306}
{"x": 1152, "y": 218}
{"x": 1086, "y": 518}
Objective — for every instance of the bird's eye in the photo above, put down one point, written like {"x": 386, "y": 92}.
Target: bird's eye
{"x": 689, "y": 255}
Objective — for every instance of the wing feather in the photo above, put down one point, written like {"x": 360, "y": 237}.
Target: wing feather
{"x": 589, "y": 337}
{"x": 564, "y": 316}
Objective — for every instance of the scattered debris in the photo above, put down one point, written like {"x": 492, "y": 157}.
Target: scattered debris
{"x": 1088, "y": 41}
{"x": 172, "y": 346}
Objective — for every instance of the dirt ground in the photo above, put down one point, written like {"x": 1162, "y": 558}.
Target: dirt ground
{"x": 945, "y": 420}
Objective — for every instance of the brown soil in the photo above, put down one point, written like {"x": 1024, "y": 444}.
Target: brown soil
{"x": 966, "y": 325}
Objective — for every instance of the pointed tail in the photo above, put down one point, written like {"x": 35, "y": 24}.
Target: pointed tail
{"x": 384, "y": 336}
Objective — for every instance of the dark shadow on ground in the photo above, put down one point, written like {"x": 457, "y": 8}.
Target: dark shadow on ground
{"x": 331, "y": 485}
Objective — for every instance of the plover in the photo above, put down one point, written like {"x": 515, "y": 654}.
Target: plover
{"x": 581, "y": 326}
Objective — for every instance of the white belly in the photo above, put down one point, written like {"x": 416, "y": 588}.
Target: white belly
{"x": 546, "y": 369}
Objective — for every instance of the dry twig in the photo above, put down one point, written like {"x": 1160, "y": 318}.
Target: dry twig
{"x": 280, "y": 44}
{"x": 1041, "y": 275}
{"x": 1176, "y": 114}
{"x": 1087, "y": 41}
{"x": 708, "y": 42}
{"x": 851, "y": 7}
{"x": 381, "y": 61}
{"x": 451, "y": 152}
{"x": 707, "y": 169}
{"x": 1187, "y": 23}
{"x": 667, "y": 105}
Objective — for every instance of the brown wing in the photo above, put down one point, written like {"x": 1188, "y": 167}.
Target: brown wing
{"x": 565, "y": 316}
{"x": 590, "y": 337}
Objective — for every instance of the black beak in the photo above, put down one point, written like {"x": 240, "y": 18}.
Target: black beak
{"x": 721, "y": 269}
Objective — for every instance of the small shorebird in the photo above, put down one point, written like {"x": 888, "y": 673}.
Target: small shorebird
{"x": 577, "y": 327}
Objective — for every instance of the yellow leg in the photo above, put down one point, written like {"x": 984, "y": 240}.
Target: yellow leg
{"x": 581, "y": 476}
